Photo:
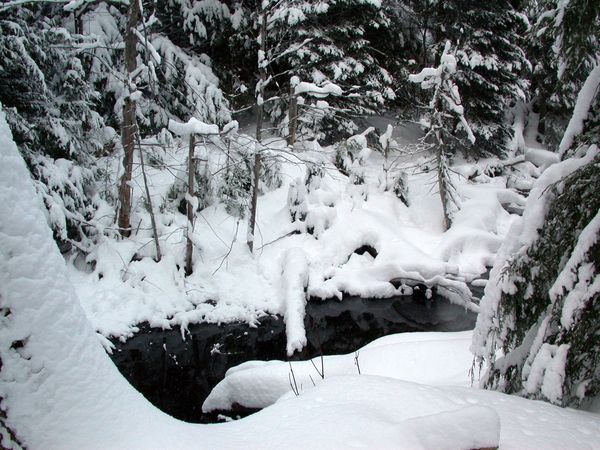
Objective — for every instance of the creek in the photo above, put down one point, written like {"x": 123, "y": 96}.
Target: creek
{"x": 176, "y": 375}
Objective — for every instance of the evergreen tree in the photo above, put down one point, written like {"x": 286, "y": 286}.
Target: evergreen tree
{"x": 490, "y": 64}
{"x": 542, "y": 304}
{"x": 447, "y": 126}
{"x": 340, "y": 52}
{"x": 50, "y": 107}
{"x": 324, "y": 42}
{"x": 564, "y": 47}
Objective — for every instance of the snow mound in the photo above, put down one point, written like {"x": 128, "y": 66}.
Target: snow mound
{"x": 258, "y": 384}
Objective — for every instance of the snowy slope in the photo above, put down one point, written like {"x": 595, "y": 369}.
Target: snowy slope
{"x": 121, "y": 286}
{"x": 59, "y": 389}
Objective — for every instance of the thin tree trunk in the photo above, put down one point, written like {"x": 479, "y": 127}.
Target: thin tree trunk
{"x": 293, "y": 117}
{"x": 259, "y": 124}
{"x": 150, "y": 209}
{"x": 424, "y": 44}
{"x": 129, "y": 128}
{"x": 190, "y": 210}
{"x": 443, "y": 188}
{"x": 78, "y": 22}
{"x": 253, "y": 205}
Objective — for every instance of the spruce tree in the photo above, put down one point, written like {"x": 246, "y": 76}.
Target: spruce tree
{"x": 564, "y": 47}
{"x": 491, "y": 64}
{"x": 542, "y": 304}
{"x": 324, "y": 42}
{"x": 50, "y": 107}
{"x": 446, "y": 124}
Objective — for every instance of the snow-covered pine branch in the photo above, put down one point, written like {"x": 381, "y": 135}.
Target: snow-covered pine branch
{"x": 586, "y": 97}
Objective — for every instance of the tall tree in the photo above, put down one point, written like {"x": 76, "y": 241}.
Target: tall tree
{"x": 446, "y": 123}
{"x": 542, "y": 304}
{"x": 564, "y": 45}
{"x": 322, "y": 42}
{"x": 52, "y": 110}
{"x": 490, "y": 61}
{"x": 129, "y": 126}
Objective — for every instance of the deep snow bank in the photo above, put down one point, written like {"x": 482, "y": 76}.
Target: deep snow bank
{"x": 60, "y": 390}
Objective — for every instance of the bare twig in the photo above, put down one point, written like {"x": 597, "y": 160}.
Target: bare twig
{"x": 292, "y": 379}
{"x": 356, "y": 361}
{"x": 149, "y": 199}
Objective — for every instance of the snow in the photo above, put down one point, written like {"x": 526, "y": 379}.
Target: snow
{"x": 258, "y": 384}
{"x": 585, "y": 98}
{"x": 294, "y": 281}
{"x": 576, "y": 276}
{"x": 121, "y": 286}
{"x": 193, "y": 126}
{"x": 303, "y": 87}
{"x": 60, "y": 390}
{"x": 523, "y": 232}
{"x": 422, "y": 366}
{"x": 541, "y": 158}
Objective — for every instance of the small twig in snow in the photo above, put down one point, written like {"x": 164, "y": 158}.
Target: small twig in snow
{"x": 291, "y": 378}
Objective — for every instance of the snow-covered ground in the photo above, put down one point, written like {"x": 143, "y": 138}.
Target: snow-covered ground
{"x": 124, "y": 286}
{"x": 59, "y": 389}
{"x": 418, "y": 367}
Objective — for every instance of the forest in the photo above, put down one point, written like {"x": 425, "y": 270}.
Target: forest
{"x": 300, "y": 223}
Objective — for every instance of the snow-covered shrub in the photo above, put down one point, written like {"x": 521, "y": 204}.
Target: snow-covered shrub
{"x": 342, "y": 159}
{"x": 270, "y": 173}
{"x": 299, "y": 191}
{"x": 542, "y": 305}
{"x": 316, "y": 118}
{"x": 296, "y": 201}
{"x": 309, "y": 208}
{"x": 203, "y": 189}
{"x": 351, "y": 156}
{"x": 314, "y": 176}
{"x": 319, "y": 218}
{"x": 234, "y": 185}
{"x": 400, "y": 187}
{"x": 235, "y": 189}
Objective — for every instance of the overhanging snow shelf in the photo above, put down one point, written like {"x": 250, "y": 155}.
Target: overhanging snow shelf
{"x": 177, "y": 375}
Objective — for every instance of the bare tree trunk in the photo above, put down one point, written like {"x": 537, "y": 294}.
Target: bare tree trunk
{"x": 129, "y": 127}
{"x": 424, "y": 44}
{"x": 150, "y": 209}
{"x": 259, "y": 124}
{"x": 253, "y": 205}
{"x": 292, "y": 117}
{"x": 78, "y": 22}
{"x": 190, "y": 209}
{"x": 442, "y": 185}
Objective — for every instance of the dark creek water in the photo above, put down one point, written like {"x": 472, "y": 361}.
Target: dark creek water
{"x": 176, "y": 375}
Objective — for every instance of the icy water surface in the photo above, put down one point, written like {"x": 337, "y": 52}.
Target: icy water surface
{"x": 177, "y": 375}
